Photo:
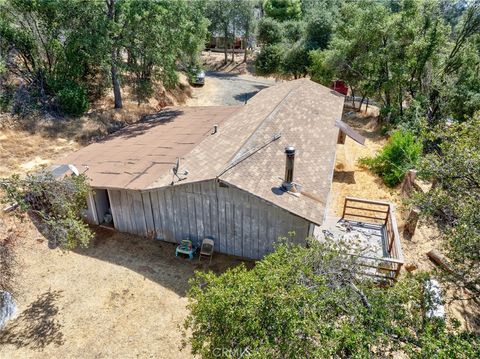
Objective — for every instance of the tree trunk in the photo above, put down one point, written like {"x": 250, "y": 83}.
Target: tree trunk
{"x": 245, "y": 47}
{"x": 114, "y": 55}
{"x": 233, "y": 43}
{"x": 116, "y": 84}
{"x": 361, "y": 103}
{"x": 225, "y": 45}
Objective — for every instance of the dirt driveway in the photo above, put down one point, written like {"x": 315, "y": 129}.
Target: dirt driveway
{"x": 124, "y": 297}
{"x": 227, "y": 89}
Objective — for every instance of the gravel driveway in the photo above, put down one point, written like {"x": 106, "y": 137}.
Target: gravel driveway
{"x": 222, "y": 89}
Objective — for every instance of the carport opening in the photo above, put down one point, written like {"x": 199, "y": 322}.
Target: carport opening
{"x": 102, "y": 205}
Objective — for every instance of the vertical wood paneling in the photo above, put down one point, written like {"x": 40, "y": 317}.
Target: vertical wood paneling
{"x": 230, "y": 229}
{"x": 139, "y": 217}
{"x": 177, "y": 214}
{"x": 191, "y": 215}
{"x": 184, "y": 218}
{"x": 167, "y": 208}
{"x": 262, "y": 230}
{"x": 199, "y": 219}
{"x": 156, "y": 215}
{"x": 116, "y": 207}
{"x": 246, "y": 228}
{"x": 208, "y": 225}
{"x": 238, "y": 206}
{"x": 219, "y": 209}
{"x": 254, "y": 229}
{"x": 239, "y": 223}
{"x": 126, "y": 209}
{"x": 147, "y": 209}
{"x": 272, "y": 231}
{"x": 161, "y": 222}
{"x": 215, "y": 224}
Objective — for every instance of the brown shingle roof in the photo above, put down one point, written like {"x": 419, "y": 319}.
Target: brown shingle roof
{"x": 136, "y": 156}
{"x": 247, "y": 152}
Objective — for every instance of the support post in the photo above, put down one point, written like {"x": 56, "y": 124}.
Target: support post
{"x": 412, "y": 221}
{"x": 408, "y": 182}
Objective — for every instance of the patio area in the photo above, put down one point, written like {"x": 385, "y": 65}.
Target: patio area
{"x": 370, "y": 228}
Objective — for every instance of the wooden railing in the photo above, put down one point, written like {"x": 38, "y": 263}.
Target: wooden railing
{"x": 382, "y": 214}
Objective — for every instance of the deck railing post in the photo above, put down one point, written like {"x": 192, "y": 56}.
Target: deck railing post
{"x": 344, "y": 207}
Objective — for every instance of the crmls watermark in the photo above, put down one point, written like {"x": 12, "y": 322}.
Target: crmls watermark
{"x": 230, "y": 353}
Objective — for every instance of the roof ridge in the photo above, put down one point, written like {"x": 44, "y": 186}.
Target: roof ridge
{"x": 239, "y": 154}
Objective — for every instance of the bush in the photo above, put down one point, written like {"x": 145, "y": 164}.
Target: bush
{"x": 283, "y": 10}
{"x": 6, "y": 97}
{"x": 293, "y": 30}
{"x": 296, "y": 61}
{"x": 400, "y": 154}
{"x": 320, "y": 69}
{"x": 269, "y": 31}
{"x": 57, "y": 204}
{"x": 319, "y": 31}
{"x": 72, "y": 99}
{"x": 269, "y": 60}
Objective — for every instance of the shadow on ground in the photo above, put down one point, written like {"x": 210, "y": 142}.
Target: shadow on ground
{"x": 344, "y": 177}
{"x": 37, "y": 326}
{"x": 244, "y": 97}
{"x": 153, "y": 259}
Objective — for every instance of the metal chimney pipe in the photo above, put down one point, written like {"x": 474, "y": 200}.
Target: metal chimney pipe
{"x": 289, "y": 166}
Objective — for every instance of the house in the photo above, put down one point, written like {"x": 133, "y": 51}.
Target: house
{"x": 242, "y": 175}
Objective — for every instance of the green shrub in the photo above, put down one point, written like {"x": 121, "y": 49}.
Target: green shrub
{"x": 400, "y": 154}
{"x": 269, "y": 60}
{"x": 6, "y": 97}
{"x": 269, "y": 31}
{"x": 293, "y": 30}
{"x": 296, "y": 61}
{"x": 72, "y": 99}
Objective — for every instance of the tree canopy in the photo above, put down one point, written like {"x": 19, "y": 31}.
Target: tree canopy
{"x": 405, "y": 54}
{"x": 229, "y": 19}
{"x": 67, "y": 54}
{"x": 282, "y": 10}
{"x": 295, "y": 35}
{"x": 309, "y": 303}
{"x": 454, "y": 169}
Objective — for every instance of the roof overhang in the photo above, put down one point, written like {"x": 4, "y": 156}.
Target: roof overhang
{"x": 350, "y": 132}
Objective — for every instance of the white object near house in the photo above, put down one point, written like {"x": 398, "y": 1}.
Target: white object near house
{"x": 434, "y": 300}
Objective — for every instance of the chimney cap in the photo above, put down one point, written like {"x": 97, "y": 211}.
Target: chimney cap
{"x": 290, "y": 150}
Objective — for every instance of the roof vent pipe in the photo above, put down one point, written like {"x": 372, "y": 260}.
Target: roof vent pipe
{"x": 289, "y": 166}
{"x": 215, "y": 129}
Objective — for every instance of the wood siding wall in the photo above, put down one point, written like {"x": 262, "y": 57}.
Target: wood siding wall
{"x": 240, "y": 223}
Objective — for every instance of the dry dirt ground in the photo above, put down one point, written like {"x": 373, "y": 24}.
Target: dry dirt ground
{"x": 123, "y": 297}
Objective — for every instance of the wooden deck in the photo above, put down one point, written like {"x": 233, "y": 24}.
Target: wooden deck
{"x": 382, "y": 256}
